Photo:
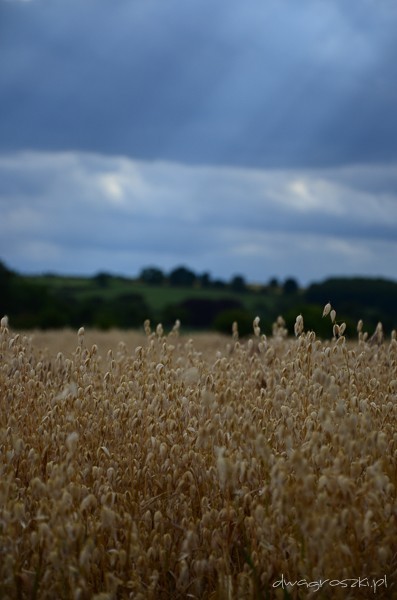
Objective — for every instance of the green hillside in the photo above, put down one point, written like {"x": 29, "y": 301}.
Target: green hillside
{"x": 105, "y": 301}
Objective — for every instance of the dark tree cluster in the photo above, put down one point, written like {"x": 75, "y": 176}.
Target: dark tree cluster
{"x": 182, "y": 276}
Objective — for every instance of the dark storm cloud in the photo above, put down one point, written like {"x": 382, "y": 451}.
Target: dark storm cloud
{"x": 255, "y": 137}
{"x": 276, "y": 84}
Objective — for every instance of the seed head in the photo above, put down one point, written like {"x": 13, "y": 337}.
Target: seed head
{"x": 257, "y": 329}
{"x": 298, "y": 327}
{"x": 327, "y": 309}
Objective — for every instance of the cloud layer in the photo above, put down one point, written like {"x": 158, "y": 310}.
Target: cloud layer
{"x": 238, "y": 137}
{"x": 262, "y": 84}
{"x": 81, "y": 213}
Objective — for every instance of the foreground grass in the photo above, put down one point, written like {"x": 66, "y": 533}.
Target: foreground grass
{"x": 167, "y": 467}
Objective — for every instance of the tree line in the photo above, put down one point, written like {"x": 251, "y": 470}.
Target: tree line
{"x": 107, "y": 301}
{"x": 185, "y": 277}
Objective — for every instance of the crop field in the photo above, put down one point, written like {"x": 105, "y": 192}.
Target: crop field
{"x": 157, "y": 466}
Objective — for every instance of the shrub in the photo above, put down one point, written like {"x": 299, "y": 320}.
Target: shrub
{"x": 223, "y": 322}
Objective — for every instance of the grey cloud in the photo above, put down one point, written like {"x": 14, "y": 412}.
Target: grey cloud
{"x": 266, "y": 84}
{"x": 77, "y": 212}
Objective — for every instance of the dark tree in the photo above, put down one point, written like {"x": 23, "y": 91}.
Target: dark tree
{"x": 205, "y": 280}
{"x": 218, "y": 284}
{"x": 238, "y": 284}
{"x": 102, "y": 279}
{"x": 152, "y": 276}
{"x": 274, "y": 283}
{"x": 6, "y": 279}
{"x": 290, "y": 286}
{"x": 181, "y": 276}
{"x": 5, "y": 273}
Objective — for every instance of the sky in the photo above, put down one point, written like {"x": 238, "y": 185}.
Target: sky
{"x": 256, "y": 138}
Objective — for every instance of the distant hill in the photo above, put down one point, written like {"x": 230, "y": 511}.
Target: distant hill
{"x": 105, "y": 301}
